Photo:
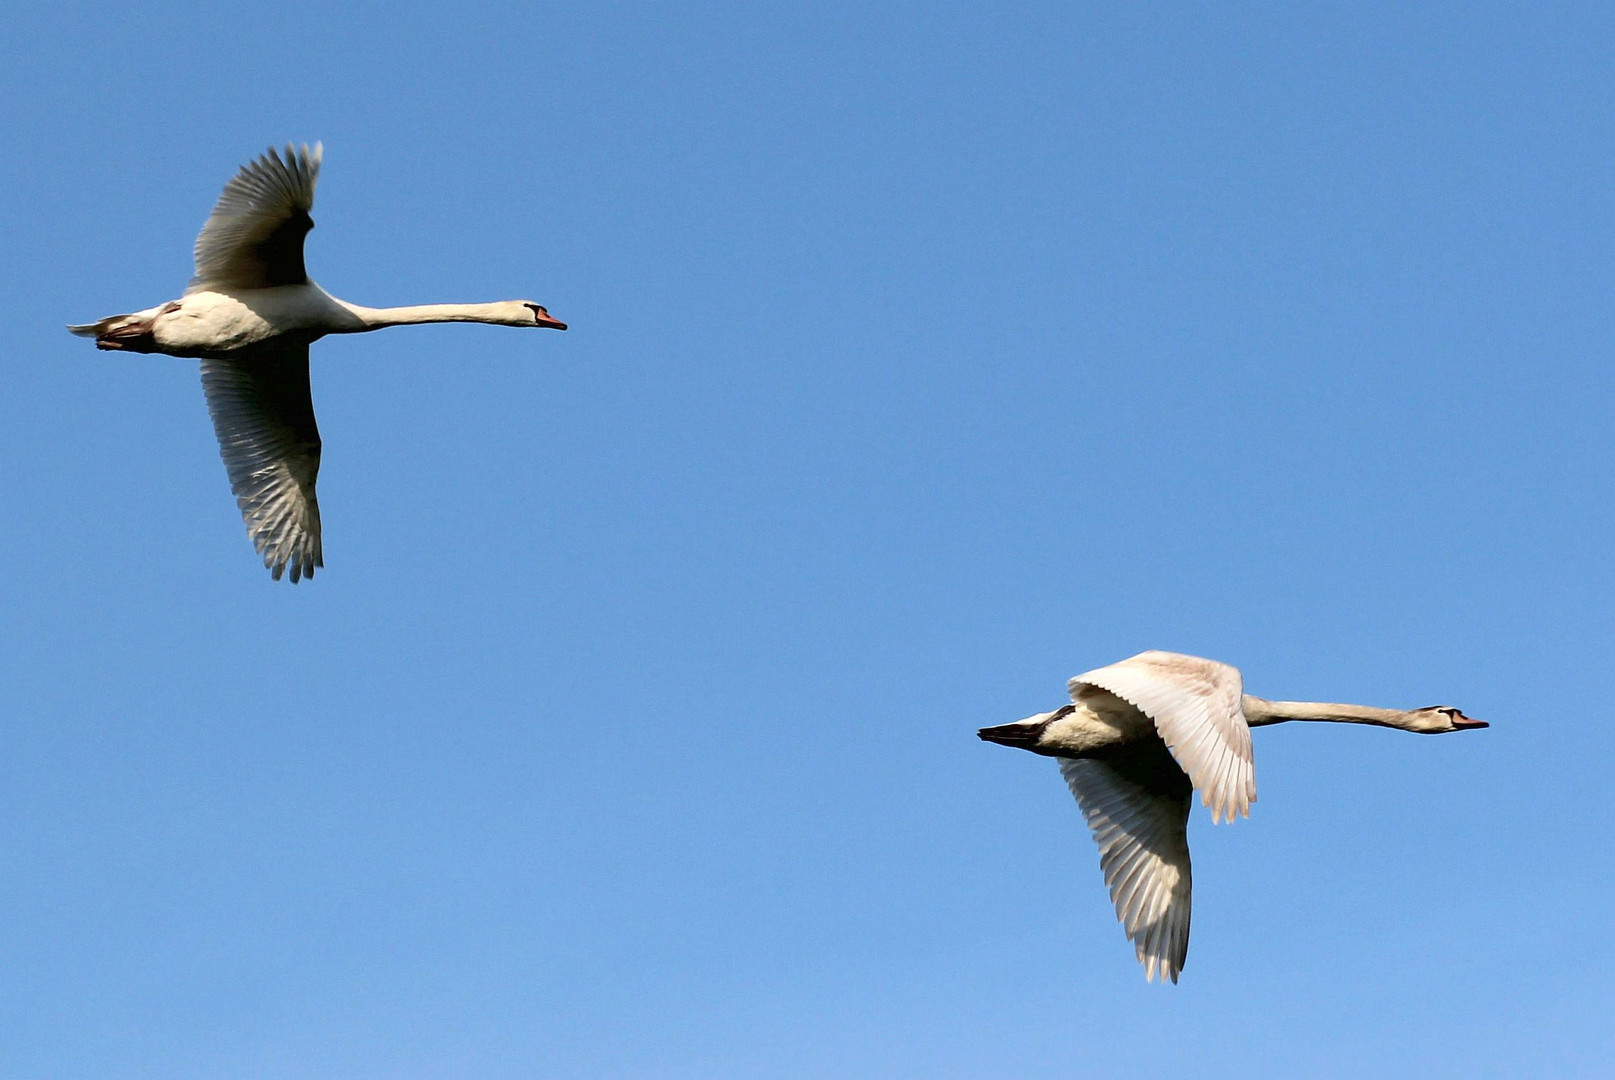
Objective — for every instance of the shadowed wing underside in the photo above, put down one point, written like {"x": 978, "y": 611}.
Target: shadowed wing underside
{"x": 1138, "y": 809}
{"x": 254, "y": 237}
{"x": 263, "y": 415}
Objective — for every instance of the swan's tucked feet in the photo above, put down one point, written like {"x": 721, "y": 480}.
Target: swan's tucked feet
{"x": 128, "y": 337}
{"x": 127, "y": 333}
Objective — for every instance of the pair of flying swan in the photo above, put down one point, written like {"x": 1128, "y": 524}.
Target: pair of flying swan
{"x": 1138, "y": 739}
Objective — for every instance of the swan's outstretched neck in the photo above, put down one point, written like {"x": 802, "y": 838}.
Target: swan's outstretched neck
{"x": 1434, "y": 720}
{"x": 499, "y": 313}
{"x": 1260, "y": 711}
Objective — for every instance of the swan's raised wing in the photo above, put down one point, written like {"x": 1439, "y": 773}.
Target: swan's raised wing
{"x": 254, "y": 237}
{"x": 1138, "y": 809}
{"x": 263, "y": 414}
{"x": 1195, "y": 704}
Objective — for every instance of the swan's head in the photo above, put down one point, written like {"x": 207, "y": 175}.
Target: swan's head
{"x": 527, "y": 313}
{"x": 1440, "y": 719}
{"x": 1041, "y": 734}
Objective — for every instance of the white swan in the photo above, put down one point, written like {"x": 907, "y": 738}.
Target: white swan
{"x": 249, "y": 315}
{"x": 1138, "y": 738}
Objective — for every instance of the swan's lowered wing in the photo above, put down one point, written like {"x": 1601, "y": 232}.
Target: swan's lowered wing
{"x": 254, "y": 237}
{"x": 1195, "y": 704}
{"x": 263, "y": 415}
{"x": 1138, "y": 809}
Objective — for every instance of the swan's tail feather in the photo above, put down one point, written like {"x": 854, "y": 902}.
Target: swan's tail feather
{"x": 131, "y": 333}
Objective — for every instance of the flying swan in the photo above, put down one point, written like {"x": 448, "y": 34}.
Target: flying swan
{"x": 249, "y": 315}
{"x": 1137, "y": 739}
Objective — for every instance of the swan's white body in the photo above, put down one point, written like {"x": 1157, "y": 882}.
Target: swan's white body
{"x": 1138, "y": 739}
{"x": 217, "y": 322}
{"x": 250, "y": 314}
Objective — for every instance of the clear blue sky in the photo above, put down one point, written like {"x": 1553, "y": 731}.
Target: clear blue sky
{"x": 921, "y": 357}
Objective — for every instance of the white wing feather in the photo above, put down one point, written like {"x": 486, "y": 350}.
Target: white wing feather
{"x": 263, "y": 414}
{"x": 254, "y": 237}
{"x": 1195, "y": 704}
{"x": 1141, "y": 826}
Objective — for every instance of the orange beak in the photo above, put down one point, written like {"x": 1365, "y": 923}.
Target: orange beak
{"x": 542, "y": 318}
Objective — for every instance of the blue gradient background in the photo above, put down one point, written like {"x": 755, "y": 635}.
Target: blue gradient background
{"x": 922, "y": 356}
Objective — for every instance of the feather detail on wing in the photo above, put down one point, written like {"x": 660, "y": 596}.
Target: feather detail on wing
{"x": 1195, "y": 704}
{"x": 263, "y": 414}
{"x": 254, "y": 237}
{"x": 1138, "y": 810}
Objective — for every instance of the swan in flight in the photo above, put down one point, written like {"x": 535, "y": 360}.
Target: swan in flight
{"x": 1138, "y": 738}
{"x": 249, "y": 315}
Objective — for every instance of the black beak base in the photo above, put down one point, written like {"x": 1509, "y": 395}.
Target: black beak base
{"x": 1012, "y": 734}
